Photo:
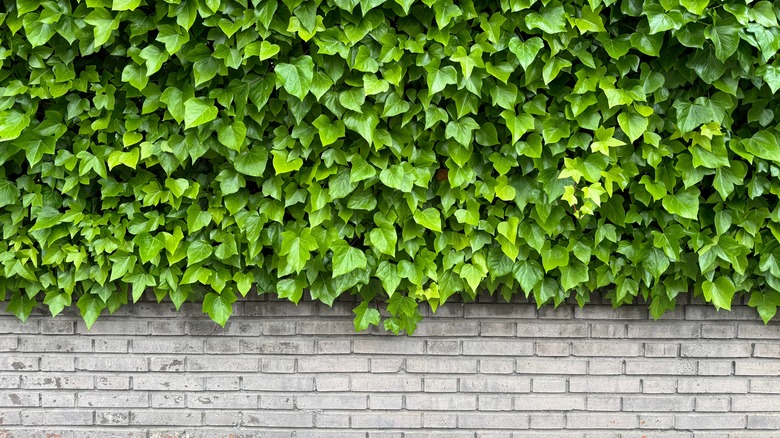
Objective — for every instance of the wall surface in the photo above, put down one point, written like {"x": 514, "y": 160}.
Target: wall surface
{"x": 474, "y": 370}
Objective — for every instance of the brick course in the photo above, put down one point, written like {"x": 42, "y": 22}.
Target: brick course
{"x": 473, "y": 370}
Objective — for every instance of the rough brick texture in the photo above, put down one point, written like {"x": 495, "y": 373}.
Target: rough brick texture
{"x": 475, "y": 370}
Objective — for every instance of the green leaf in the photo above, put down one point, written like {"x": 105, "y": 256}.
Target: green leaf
{"x": 198, "y": 111}
{"x": 219, "y": 307}
{"x": 684, "y": 203}
{"x": 384, "y": 239}
{"x": 328, "y": 130}
{"x": 252, "y": 162}
{"x": 720, "y": 292}
{"x": 440, "y": 78}
{"x": 430, "y": 218}
{"x": 90, "y": 307}
{"x": 198, "y": 251}
{"x": 149, "y": 246}
{"x": 347, "y": 259}
{"x": 125, "y": 5}
{"x": 297, "y": 247}
{"x": 365, "y": 316}
{"x": 296, "y": 77}
{"x": 551, "y": 19}
{"x": 633, "y": 124}
{"x": 9, "y": 193}
{"x": 233, "y": 135}
{"x": 12, "y": 123}
{"x": 763, "y": 145}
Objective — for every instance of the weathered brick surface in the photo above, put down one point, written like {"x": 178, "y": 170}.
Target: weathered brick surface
{"x": 474, "y": 370}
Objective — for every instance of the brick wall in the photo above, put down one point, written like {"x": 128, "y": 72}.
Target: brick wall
{"x": 474, "y": 370}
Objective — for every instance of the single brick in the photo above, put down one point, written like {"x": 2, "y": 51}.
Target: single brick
{"x": 113, "y": 363}
{"x": 656, "y": 330}
{"x": 277, "y": 401}
{"x": 111, "y": 345}
{"x": 661, "y": 366}
{"x": 56, "y": 418}
{"x": 766, "y": 350}
{"x": 715, "y": 349}
{"x": 114, "y": 326}
{"x": 439, "y": 384}
{"x": 58, "y": 363}
{"x": 559, "y": 313}
{"x": 495, "y": 384}
{"x": 314, "y": 327}
{"x": 710, "y": 421}
{"x": 277, "y": 365}
{"x": 536, "y": 402}
{"x": 604, "y": 384}
{"x": 656, "y": 421}
{"x": 658, "y": 403}
{"x": 592, "y": 420}
{"x": 718, "y": 331}
{"x": 481, "y": 347}
{"x": 334, "y": 346}
{"x": 10, "y": 399}
{"x": 280, "y": 308}
{"x": 112, "y": 382}
{"x": 10, "y": 382}
{"x": 170, "y": 400}
{"x": 156, "y": 345}
{"x": 113, "y": 399}
{"x": 388, "y": 346}
{"x": 167, "y": 328}
{"x": 548, "y": 384}
{"x": 208, "y": 363}
{"x": 548, "y": 421}
{"x": 277, "y": 346}
{"x": 758, "y": 331}
{"x": 765, "y": 386}
{"x": 500, "y": 310}
{"x": 227, "y": 400}
{"x": 498, "y": 328}
{"x": 387, "y": 365}
{"x": 112, "y": 418}
{"x": 441, "y": 402}
{"x": 331, "y": 383}
{"x": 712, "y": 404}
{"x": 331, "y": 401}
{"x": 58, "y": 399}
{"x": 439, "y": 420}
{"x": 496, "y": 366}
{"x": 326, "y": 364}
{"x": 56, "y": 343}
{"x": 755, "y": 403}
{"x": 386, "y": 420}
{"x": 166, "y": 364}
{"x": 271, "y": 382}
{"x": 547, "y": 366}
{"x": 167, "y": 417}
{"x": 764, "y": 421}
{"x": 325, "y": 419}
{"x": 385, "y": 401}
{"x": 57, "y": 327}
{"x": 708, "y": 312}
{"x": 386, "y": 383}
{"x": 604, "y": 403}
{"x": 50, "y": 381}
{"x": 440, "y": 347}
{"x": 552, "y": 348}
{"x": 757, "y": 367}
{"x": 542, "y": 329}
{"x": 610, "y": 313}
{"x": 715, "y": 367}
{"x": 712, "y": 385}
{"x": 440, "y": 365}
{"x": 602, "y": 366}
{"x": 167, "y": 382}
{"x": 18, "y": 363}
{"x": 664, "y": 385}
{"x": 492, "y": 420}
{"x": 278, "y": 328}
{"x": 223, "y": 383}
{"x": 450, "y": 328}
{"x": 603, "y": 348}
{"x": 221, "y": 346}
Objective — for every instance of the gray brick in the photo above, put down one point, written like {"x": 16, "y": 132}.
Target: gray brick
{"x": 10, "y": 418}
{"x": 452, "y": 328}
{"x": 709, "y": 312}
{"x": 112, "y": 399}
{"x": 712, "y": 385}
{"x": 533, "y": 329}
{"x": 14, "y": 326}
{"x": 57, "y": 363}
{"x": 559, "y": 313}
{"x": 758, "y": 331}
{"x": 604, "y": 403}
{"x": 280, "y": 309}
{"x": 602, "y": 366}
{"x": 766, "y": 350}
{"x": 495, "y": 384}
{"x": 762, "y": 367}
{"x": 441, "y": 347}
{"x": 607, "y": 330}
{"x": 603, "y": 348}
{"x": 57, "y": 327}
{"x": 277, "y": 346}
{"x": 277, "y": 365}
{"x": 331, "y": 401}
{"x": 112, "y": 382}
{"x": 220, "y": 383}
{"x": 116, "y": 363}
{"x": 665, "y": 385}
{"x": 387, "y": 365}
{"x": 551, "y": 348}
{"x": 602, "y": 384}
{"x": 114, "y": 326}
{"x": 496, "y": 366}
{"x": 710, "y": 421}
{"x": 657, "y": 404}
{"x": 548, "y": 421}
{"x": 167, "y": 382}
{"x": 607, "y": 312}
{"x": 111, "y": 345}
{"x": 18, "y": 363}
{"x": 755, "y": 403}
{"x": 717, "y": 349}
{"x": 278, "y": 328}
{"x": 439, "y": 420}
{"x": 557, "y": 366}
{"x": 221, "y": 346}
{"x": 267, "y": 382}
{"x": 712, "y": 404}
{"x": 9, "y": 343}
{"x": 18, "y": 398}
{"x": 592, "y": 420}
{"x": 385, "y": 401}
{"x": 759, "y": 421}
{"x": 494, "y": 403}
{"x": 325, "y": 364}
{"x": 492, "y": 420}
{"x": 656, "y": 330}
{"x": 718, "y": 331}
{"x": 52, "y": 344}
{"x": 112, "y": 418}
{"x": 386, "y": 383}
{"x": 277, "y": 401}
{"x": 50, "y": 381}
{"x": 220, "y": 363}
{"x": 167, "y": 417}
{"x": 330, "y": 419}
{"x": 167, "y": 364}
{"x": 313, "y": 327}
{"x": 436, "y": 384}
{"x": 483, "y": 347}
{"x": 661, "y": 366}
{"x": 167, "y": 328}
{"x": 441, "y": 402}
{"x": 234, "y": 327}
{"x": 225, "y": 400}
{"x": 548, "y": 384}
{"x": 386, "y": 420}
{"x": 656, "y": 421}
{"x": 665, "y": 349}
{"x": 58, "y": 399}
{"x": 715, "y": 367}
{"x": 167, "y": 346}
{"x": 497, "y": 328}
{"x": 170, "y": 400}
{"x": 765, "y": 386}
{"x": 500, "y": 310}
{"x": 334, "y": 346}
{"x": 444, "y": 365}
{"x": 536, "y": 402}
{"x": 56, "y": 418}
{"x": 388, "y": 346}
{"x": 332, "y": 383}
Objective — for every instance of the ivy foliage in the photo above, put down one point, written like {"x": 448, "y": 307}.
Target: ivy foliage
{"x": 401, "y": 150}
